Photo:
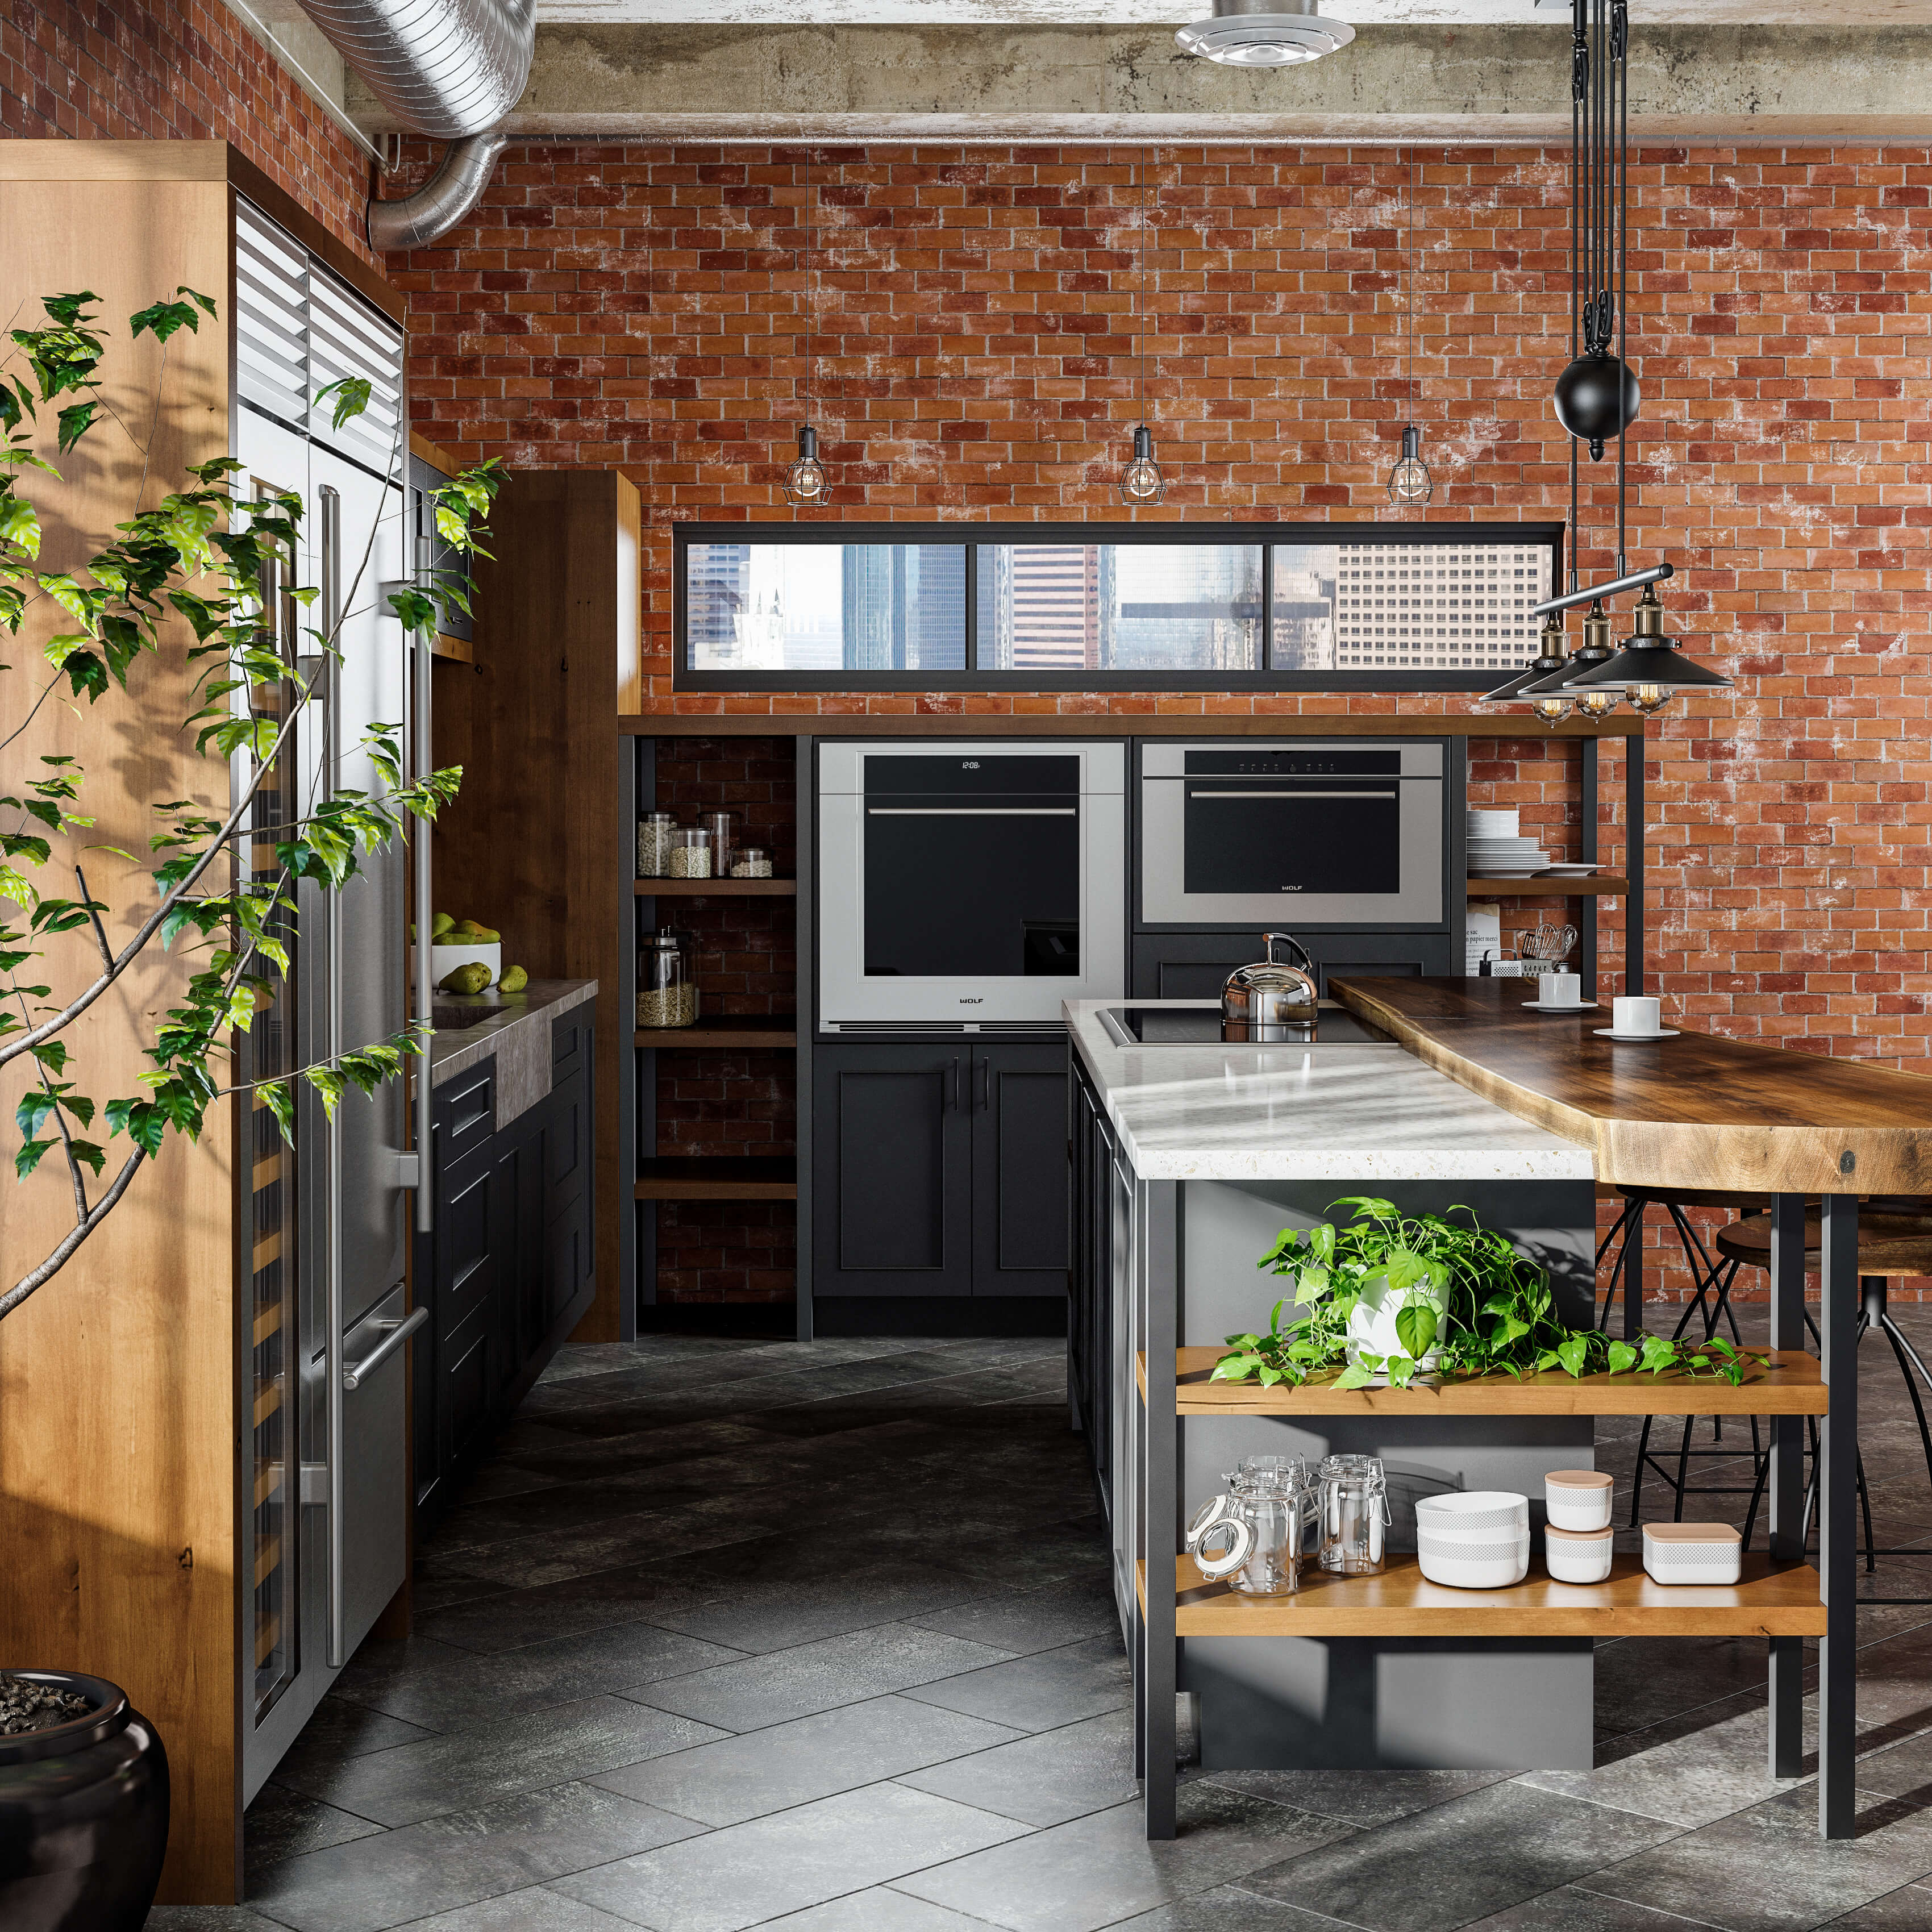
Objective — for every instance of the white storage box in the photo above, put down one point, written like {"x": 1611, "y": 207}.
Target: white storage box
{"x": 1578, "y": 1556}
{"x": 1577, "y": 1498}
{"x": 1693, "y": 1552}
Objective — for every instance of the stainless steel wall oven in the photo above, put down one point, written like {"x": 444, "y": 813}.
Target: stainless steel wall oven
{"x": 968, "y": 886}
{"x": 1326, "y": 833}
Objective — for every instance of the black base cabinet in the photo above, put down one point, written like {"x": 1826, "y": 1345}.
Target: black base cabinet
{"x": 509, "y": 1261}
{"x": 939, "y": 1183}
{"x": 1196, "y": 965}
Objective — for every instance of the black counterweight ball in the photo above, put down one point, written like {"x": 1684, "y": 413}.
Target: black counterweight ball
{"x": 1596, "y": 397}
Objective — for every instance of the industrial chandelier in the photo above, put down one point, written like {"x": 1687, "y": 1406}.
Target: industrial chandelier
{"x": 1597, "y": 398}
{"x": 805, "y": 486}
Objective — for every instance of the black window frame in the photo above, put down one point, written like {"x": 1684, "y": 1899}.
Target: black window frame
{"x": 971, "y": 536}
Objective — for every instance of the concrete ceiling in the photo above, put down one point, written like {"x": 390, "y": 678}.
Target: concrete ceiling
{"x": 1124, "y": 12}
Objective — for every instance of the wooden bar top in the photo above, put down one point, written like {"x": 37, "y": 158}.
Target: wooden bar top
{"x": 1692, "y": 1111}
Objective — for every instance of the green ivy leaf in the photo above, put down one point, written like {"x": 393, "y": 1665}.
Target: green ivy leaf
{"x": 1622, "y": 1358}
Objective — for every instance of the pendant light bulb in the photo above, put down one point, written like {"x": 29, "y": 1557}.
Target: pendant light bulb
{"x": 1647, "y": 700}
{"x": 804, "y": 484}
{"x": 1551, "y": 710}
{"x": 1141, "y": 482}
{"x": 1410, "y": 481}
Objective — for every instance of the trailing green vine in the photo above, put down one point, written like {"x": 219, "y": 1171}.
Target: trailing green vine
{"x": 1482, "y": 1307}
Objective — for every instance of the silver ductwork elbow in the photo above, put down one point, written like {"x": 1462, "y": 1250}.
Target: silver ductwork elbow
{"x": 443, "y": 201}
{"x": 449, "y": 69}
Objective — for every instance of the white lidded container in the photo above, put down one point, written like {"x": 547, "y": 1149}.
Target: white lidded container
{"x": 1577, "y": 1498}
{"x": 1578, "y": 1556}
{"x": 1693, "y": 1552}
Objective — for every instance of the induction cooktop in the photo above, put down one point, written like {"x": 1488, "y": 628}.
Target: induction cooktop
{"x": 1203, "y": 1026}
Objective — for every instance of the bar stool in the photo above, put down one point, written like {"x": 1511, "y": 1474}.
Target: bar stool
{"x": 1895, "y": 1239}
{"x": 1711, "y": 1279}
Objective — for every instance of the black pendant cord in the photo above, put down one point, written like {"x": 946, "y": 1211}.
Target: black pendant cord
{"x": 1140, "y": 277}
{"x": 1620, "y": 63}
{"x": 1579, "y": 69}
{"x": 1408, "y": 265}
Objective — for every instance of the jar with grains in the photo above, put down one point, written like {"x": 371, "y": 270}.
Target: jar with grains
{"x": 751, "y": 862}
{"x": 690, "y": 853}
{"x": 667, "y": 995}
{"x": 723, "y": 827}
{"x": 654, "y": 831}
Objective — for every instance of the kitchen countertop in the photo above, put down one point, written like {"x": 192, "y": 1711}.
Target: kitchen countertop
{"x": 1354, "y": 1112}
{"x": 1116, "y": 724}
{"x": 1696, "y": 1111}
{"x": 514, "y": 1028}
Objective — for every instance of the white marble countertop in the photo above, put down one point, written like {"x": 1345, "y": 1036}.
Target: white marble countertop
{"x": 1355, "y": 1112}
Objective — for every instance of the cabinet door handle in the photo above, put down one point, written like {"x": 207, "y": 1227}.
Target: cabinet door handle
{"x": 985, "y": 1084}
{"x": 953, "y": 1104}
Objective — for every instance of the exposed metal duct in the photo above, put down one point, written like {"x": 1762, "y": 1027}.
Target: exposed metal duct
{"x": 450, "y": 69}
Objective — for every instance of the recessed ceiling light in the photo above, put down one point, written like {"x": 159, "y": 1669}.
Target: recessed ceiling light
{"x": 1265, "y": 33}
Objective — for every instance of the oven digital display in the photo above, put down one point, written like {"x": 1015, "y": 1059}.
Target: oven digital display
{"x": 1343, "y": 763}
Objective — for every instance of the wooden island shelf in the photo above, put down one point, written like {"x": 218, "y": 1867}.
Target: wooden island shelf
{"x": 1550, "y": 886}
{"x": 1792, "y": 1386}
{"x": 1773, "y": 1600}
{"x": 715, "y": 888}
{"x": 772, "y": 1031}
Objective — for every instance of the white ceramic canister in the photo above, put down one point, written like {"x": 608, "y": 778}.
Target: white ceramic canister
{"x": 1577, "y": 1498}
{"x": 1578, "y": 1556}
{"x": 1693, "y": 1552}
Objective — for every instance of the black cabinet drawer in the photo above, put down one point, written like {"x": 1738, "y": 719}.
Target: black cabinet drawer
{"x": 569, "y": 1042}
{"x": 464, "y": 1112}
{"x": 1196, "y": 965}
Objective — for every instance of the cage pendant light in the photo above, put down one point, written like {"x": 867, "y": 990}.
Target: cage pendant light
{"x": 1142, "y": 482}
{"x": 1409, "y": 481}
{"x": 805, "y": 486}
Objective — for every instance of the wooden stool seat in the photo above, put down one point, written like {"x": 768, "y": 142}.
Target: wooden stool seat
{"x": 1888, "y": 1244}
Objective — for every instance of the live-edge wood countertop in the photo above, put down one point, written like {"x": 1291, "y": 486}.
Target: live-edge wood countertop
{"x": 1696, "y": 1111}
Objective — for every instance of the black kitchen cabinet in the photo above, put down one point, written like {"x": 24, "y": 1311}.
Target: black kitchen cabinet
{"x": 509, "y": 1261}
{"x": 1196, "y": 965}
{"x": 940, "y": 1172}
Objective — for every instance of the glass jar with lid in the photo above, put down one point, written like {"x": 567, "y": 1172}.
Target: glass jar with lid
{"x": 723, "y": 827}
{"x": 1354, "y": 1513}
{"x": 690, "y": 853}
{"x": 654, "y": 832}
{"x": 751, "y": 862}
{"x": 666, "y": 993}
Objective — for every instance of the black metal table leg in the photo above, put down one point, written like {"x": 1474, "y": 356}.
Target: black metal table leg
{"x": 1787, "y": 1483}
{"x": 1158, "y": 1290}
{"x": 1837, "y": 1512}
{"x": 1633, "y": 1280}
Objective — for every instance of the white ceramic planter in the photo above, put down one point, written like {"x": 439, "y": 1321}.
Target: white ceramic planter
{"x": 1578, "y": 1498}
{"x": 1693, "y": 1552}
{"x": 1578, "y": 1556}
{"x": 1371, "y": 1329}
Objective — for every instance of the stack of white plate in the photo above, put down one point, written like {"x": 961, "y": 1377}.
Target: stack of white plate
{"x": 1497, "y": 849}
{"x": 1475, "y": 1539}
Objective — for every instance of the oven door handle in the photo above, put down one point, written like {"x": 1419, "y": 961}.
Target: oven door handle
{"x": 972, "y": 811}
{"x": 1389, "y": 792}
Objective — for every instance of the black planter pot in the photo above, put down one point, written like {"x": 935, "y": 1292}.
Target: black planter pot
{"x": 83, "y": 1815}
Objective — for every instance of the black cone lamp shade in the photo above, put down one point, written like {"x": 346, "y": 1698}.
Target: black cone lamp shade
{"x": 1595, "y": 650}
{"x": 1648, "y": 666}
{"x": 1549, "y": 658}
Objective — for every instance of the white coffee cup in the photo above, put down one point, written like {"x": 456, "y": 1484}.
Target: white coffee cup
{"x": 1636, "y": 1014}
{"x": 1561, "y": 989}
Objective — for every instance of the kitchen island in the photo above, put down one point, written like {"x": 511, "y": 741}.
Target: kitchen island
{"x": 1189, "y": 1158}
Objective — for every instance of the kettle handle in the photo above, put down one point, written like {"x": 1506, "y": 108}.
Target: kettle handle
{"x": 1268, "y": 939}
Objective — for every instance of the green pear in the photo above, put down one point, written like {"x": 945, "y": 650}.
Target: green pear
{"x": 514, "y": 980}
{"x": 441, "y": 924}
{"x": 472, "y": 978}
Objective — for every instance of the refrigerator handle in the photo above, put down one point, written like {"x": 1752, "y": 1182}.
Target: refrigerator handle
{"x": 331, "y": 1326}
{"x": 423, "y": 758}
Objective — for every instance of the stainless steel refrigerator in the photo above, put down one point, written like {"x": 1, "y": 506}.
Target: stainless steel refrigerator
{"x": 324, "y": 1461}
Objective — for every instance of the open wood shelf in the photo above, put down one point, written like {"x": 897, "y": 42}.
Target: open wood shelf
{"x": 753, "y": 1029}
{"x": 707, "y": 889}
{"x": 718, "y": 1178}
{"x": 1550, "y": 886}
{"x": 1781, "y": 1600}
{"x": 1792, "y": 1386}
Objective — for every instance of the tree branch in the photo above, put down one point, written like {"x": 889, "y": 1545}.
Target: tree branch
{"x": 58, "y": 1259}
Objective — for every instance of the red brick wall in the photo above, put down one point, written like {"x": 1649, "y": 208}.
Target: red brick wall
{"x": 976, "y": 314}
{"x": 174, "y": 70}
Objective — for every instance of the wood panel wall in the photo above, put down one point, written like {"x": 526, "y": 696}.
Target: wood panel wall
{"x": 119, "y": 1516}
{"x": 536, "y": 845}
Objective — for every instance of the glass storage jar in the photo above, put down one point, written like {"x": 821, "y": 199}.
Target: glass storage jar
{"x": 1260, "y": 1521}
{"x": 690, "y": 853}
{"x": 667, "y": 995}
{"x": 654, "y": 832}
{"x": 1354, "y": 1513}
{"x": 751, "y": 862}
{"x": 723, "y": 827}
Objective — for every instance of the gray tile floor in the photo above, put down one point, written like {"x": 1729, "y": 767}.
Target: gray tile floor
{"x": 731, "y": 1634}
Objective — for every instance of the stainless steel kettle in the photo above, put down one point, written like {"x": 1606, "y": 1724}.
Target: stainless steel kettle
{"x": 1271, "y": 992}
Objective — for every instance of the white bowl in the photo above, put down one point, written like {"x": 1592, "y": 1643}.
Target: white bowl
{"x": 1496, "y": 1572}
{"x": 1515, "y": 1549}
{"x": 444, "y": 960}
{"x": 1578, "y": 1558}
{"x": 1466, "y": 1509}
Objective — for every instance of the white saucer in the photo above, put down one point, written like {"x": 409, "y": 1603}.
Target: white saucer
{"x": 1581, "y": 1006}
{"x": 1611, "y": 1033}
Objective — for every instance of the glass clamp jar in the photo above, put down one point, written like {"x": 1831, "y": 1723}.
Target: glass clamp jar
{"x": 1354, "y": 1513}
{"x": 667, "y": 995}
{"x": 654, "y": 832}
{"x": 690, "y": 853}
{"x": 1261, "y": 1521}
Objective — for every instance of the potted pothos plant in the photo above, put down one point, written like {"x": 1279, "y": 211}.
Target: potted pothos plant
{"x": 1385, "y": 1298}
